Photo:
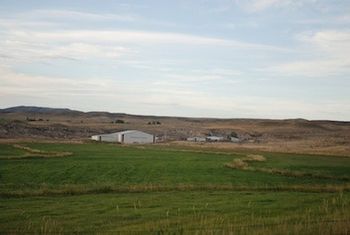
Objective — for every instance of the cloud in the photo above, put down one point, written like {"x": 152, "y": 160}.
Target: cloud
{"x": 75, "y": 15}
{"x": 14, "y": 51}
{"x": 337, "y": 20}
{"x": 38, "y": 35}
{"x": 130, "y": 97}
{"x": 328, "y": 50}
{"x": 334, "y": 42}
{"x": 262, "y": 5}
{"x": 50, "y": 19}
{"x": 80, "y": 51}
{"x": 46, "y": 18}
{"x": 259, "y": 5}
{"x": 25, "y": 45}
{"x": 130, "y": 36}
{"x": 312, "y": 68}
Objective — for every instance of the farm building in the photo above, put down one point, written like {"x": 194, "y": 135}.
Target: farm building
{"x": 127, "y": 137}
{"x": 234, "y": 139}
{"x": 214, "y": 138}
{"x": 196, "y": 139}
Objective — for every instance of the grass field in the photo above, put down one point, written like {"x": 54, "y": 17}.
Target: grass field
{"x": 107, "y": 188}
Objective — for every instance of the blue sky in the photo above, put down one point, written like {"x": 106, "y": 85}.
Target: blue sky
{"x": 218, "y": 58}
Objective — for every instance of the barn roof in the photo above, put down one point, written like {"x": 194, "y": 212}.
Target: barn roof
{"x": 128, "y": 131}
{"x": 121, "y": 133}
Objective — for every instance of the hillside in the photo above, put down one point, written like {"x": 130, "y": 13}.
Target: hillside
{"x": 291, "y": 135}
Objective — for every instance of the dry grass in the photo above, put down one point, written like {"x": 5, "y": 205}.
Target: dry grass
{"x": 242, "y": 164}
{"x": 290, "y": 173}
{"x": 30, "y": 152}
{"x": 254, "y": 158}
{"x": 237, "y": 164}
{"x": 303, "y": 146}
{"x": 74, "y": 189}
{"x": 203, "y": 224}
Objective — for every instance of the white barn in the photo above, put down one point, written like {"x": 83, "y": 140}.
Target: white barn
{"x": 127, "y": 137}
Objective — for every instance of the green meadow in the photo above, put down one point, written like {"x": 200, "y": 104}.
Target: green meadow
{"x": 108, "y": 189}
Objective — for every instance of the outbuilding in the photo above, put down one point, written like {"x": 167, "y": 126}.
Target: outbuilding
{"x": 127, "y": 137}
{"x": 214, "y": 138}
{"x": 234, "y": 139}
{"x": 196, "y": 139}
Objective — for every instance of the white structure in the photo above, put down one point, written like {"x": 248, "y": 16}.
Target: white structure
{"x": 196, "y": 139}
{"x": 127, "y": 137}
{"x": 214, "y": 138}
{"x": 234, "y": 139}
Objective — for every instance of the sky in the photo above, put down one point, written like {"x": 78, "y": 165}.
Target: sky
{"x": 206, "y": 58}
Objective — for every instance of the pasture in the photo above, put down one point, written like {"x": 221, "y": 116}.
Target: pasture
{"x": 107, "y": 188}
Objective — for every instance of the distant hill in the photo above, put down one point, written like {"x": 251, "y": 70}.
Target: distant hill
{"x": 69, "y": 112}
{"x": 63, "y": 111}
{"x": 35, "y": 109}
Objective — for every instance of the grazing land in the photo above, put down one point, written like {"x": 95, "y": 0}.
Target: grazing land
{"x": 84, "y": 188}
{"x": 290, "y": 135}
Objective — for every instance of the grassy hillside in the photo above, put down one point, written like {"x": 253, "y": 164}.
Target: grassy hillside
{"x": 108, "y": 188}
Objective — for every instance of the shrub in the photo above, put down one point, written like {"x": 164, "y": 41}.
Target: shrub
{"x": 237, "y": 164}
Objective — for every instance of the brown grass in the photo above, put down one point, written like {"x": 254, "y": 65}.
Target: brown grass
{"x": 304, "y": 146}
{"x": 242, "y": 164}
{"x": 30, "y": 152}
{"x": 237, "y": 164}
{"x": 290, "y": 173}
{"x": 73, "y": 189}
{"x": 254, "y": 158}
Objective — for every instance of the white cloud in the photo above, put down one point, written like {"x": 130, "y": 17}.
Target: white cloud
{"x": 17, "y": 88}
{"x": 74, "y": 15}
{"x": 28, "y": 45}
{"x": 329, "y": 51}
{"x": 50, "y": 19}
{"x": 313, "y": 68}
{"x": 13, "y": 51}
{"x": 129, "y": 36}
{"x": 335, "y": 43}
{"x": 261, "y": 5}
{"x": 85, "y": 51}
{"x": 38, "y": 35}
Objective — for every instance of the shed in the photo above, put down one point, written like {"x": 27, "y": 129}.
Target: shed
{"x": 234, "y": 139}
{"x": 196, "y": 139}
{"x": 127, "y": 137}
{"x": 214, "y": 138}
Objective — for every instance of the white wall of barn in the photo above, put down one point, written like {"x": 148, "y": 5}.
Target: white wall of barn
{"x": 138, "y": 137}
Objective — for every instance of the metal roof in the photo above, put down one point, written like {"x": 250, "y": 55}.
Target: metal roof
{"x": 121, "y": 133}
